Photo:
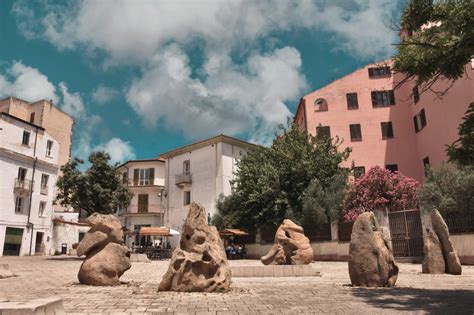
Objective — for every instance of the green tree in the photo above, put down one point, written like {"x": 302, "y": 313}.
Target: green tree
{"x": 98, "y": 189}
{"x": 449, "y": 189}
{"x": 442, "y": 50}
{"x": 270, "y": 182}
{"x": 462, "y": 150}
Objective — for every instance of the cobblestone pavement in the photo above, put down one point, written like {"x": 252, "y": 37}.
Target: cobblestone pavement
{"x": 415, "y": 292}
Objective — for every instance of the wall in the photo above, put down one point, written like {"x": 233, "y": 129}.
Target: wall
{"x": 464, "y": 245}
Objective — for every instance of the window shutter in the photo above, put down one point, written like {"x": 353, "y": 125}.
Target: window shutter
{"x": 423, "y": 118}
{"x": 374, "y": 98}
{"x": 392, "y": 97}
{"x": 152, "y": 176}
{"x": 135, "y": 176}
{"x": 415, "y": 123}
{"x": 371, "y": 72}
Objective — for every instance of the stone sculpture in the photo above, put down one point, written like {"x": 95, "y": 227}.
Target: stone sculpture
{"x": 433, "y": 261}
{"x": 371, "y": 261}
{"x": 199, "y": 262}
{"x": 107, "y": 258}
{"x": 291, "y": 246}
{"x": 451, "y": 259}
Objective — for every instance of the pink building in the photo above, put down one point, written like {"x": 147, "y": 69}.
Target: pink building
{"x": 395, "y": 128}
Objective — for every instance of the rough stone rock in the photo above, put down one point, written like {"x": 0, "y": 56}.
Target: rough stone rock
{"x": 451, "y": 259}
{"x": 199, "y": 262}
{"x": 371, "y": 262}
{"x": 107, "y": 258}
{"x": 5, "y": 271}
{"x": 433, "y": 261}
{"x": 291, "y": 246}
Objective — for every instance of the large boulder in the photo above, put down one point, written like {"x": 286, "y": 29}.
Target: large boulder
{"x": 291, "y": 246}
{"x": 371, "y": 262}
{"x": 433, "y": 261}
{"x": 199, "y": 262}
{"x": 107, "y": 258}
{"x": 451, "y": 259}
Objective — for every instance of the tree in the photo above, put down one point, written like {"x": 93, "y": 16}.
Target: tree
{"x": 98, "y": 189}
{"x": 462, "y": 150}
{"x": 449, "y": 189}
{"x": 441, "y": 50}
{"x": 380, "y": 188}
{"x": 270, "y": 182}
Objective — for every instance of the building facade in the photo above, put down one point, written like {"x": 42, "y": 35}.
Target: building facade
{"x": 199, "y": 172}
{"x": 146, "y": 180}
{"x": 396, "y": 128}
{"x": 29, "y": 168}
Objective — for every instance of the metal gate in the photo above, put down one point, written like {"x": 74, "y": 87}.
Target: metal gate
{"x": 406, "y": 232}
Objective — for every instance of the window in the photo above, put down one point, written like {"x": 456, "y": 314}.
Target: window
{"x": 416, "y": 94}
{"x": 32, "y": 118}
{"x": 359, "y": 171}
{"x": 18, "y": 204}
{"x": 419, "y": 121}
{"x": 143, "y": 176}
{"x": 187, "y": 167}
{"x": 352, "y": 102}
{"x": 323, "y": 131}
{"x": 26, "y": 138}
{"x": 356, "y": 133}
{"x": 125, "y": 178}
{"x": 382, "y": 98}
{"x": 21, "y": 174}
{"x": 42, "y": 207}
{"x": 320, "y": 104}
{"x": 49, "y": 147}
{"x": 426, "y": 165}
{"x": 44, "y": 180}
{"x": 142, "y": 203}
{"x": 187, "y": 198}
{"x": 392, "y": 167}
{"x": 379, "y": 72}
{"x": 387, "y": 130}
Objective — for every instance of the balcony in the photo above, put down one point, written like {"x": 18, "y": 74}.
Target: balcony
{"x": 22, "y": 186}
{"x": 141, "y": 209}
{"x": 183, "y": 179}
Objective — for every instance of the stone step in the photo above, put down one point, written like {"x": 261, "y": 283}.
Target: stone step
{"x": 275, "y": 271}
{"x": 53, "y": 306}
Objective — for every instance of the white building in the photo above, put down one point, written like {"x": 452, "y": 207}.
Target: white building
{"x": 146, "y": 180}
{"x": 28, "y": 168}
{"x": 199, "y": 172}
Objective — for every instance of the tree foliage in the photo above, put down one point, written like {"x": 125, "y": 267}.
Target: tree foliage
{"x": 449, "y": 189}
{"x": 380, "y": 188}
{"x": 271, "y": 182}
{"x": 98, "y": 189}
{"x": 462, "y": 150}
{"x": 443, "y": 49}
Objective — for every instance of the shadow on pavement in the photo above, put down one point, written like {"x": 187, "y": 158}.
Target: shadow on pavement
{"x": 64, "y": 258}
{"x": 411, "y": 299}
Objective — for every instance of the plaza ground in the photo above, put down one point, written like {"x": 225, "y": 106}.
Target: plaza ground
{"x": 331, "y": 293}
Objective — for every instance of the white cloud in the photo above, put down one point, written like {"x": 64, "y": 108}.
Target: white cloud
{"x": 119, "y": 150}
{"x": 231, "y": 99}
{"x": 72, "y": 102}
{"x": 104, "y": 94}
{"x": 26, "y": 83}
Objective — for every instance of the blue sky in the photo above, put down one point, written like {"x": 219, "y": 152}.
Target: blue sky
{"x": 144, "y": 77}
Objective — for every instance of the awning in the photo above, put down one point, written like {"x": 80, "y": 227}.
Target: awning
{"x": 157, "y": 231}
{"x": 232, "y": 232}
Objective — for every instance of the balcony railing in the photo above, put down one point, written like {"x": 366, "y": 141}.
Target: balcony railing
{"x": 22, "y": 185}
{"x": 150, "y": 208}
{"x": 44, "y": 190}
{"x": 183, "y": 178}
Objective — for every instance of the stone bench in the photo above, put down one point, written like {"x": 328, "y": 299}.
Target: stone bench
{"x": 275, "y": 271}
{"x": 53, "y": 306}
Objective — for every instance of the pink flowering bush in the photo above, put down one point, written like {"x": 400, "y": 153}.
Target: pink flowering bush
{"x": 380, "y": 188}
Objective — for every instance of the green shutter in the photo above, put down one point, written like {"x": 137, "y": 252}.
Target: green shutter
{"x": 135, "y": 176}
{"x": 152, "y": 176}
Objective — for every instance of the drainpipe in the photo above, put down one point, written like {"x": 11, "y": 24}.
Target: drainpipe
{"x": 167, "y": 183}
{"x": 28, "y": 223}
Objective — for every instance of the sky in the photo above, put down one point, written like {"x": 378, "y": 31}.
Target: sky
{"x": 144, "y": 77}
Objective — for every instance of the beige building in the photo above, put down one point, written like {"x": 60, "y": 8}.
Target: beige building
{"x": 44, "y": 114}
{"x": 146, "y": 180}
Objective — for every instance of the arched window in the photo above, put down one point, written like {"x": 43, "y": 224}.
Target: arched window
{"x": 320, "y": 104}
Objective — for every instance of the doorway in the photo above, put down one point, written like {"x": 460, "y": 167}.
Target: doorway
{"x": 13, "y": 238}
{"x": 38, "y": 242}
